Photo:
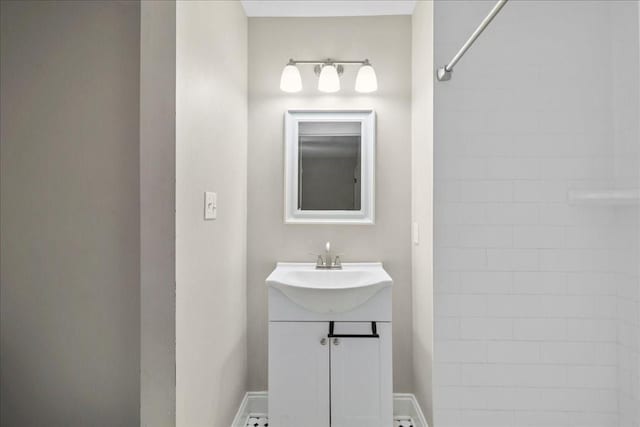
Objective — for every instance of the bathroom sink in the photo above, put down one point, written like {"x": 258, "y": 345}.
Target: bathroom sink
{"x": 329, "y": 291}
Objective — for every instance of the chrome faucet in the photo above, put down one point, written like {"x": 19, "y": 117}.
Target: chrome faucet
{"x": 328, "y": 262}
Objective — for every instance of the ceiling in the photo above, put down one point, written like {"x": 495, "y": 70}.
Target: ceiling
{"x": 291, "y": 8}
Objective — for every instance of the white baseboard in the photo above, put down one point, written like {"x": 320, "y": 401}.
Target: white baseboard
{"x": 255, "y": 402}
{"x": 407, "y": 404}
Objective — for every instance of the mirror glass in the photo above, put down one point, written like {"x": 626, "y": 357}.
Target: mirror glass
{"x": 329, "y": 166}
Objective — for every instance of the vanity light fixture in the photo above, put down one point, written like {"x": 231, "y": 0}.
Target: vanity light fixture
{"x": 328, "y": 72}
{"x": 366, "y": 80}
{"x": 290, "y": 81}
{"x": 329, "y": 80}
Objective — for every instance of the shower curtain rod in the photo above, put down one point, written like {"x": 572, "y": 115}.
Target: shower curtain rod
{"x": 444, "y": 73}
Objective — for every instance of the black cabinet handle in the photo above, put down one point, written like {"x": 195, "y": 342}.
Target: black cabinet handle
{"x": 374, "y": 332}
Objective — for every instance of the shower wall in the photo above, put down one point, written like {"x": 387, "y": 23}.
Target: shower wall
{"x": 625, "y": 57}
{"x": 626, "y": 103}
{"x": 535, "y": 281}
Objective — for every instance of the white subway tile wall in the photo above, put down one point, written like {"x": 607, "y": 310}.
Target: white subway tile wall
{"x": 537, "y": 314}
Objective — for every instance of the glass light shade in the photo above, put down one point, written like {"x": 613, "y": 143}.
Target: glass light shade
{"x": 366, "y": 80}
{"x": 290, "y": 80}
{"x": 329, "y": 80}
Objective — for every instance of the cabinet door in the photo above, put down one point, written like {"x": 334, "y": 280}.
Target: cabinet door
{"x": 298, "y": 374}
{"x": 361, "y": 377}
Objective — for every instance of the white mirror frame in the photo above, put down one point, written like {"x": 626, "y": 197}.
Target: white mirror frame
{"x": 365, "y": 215}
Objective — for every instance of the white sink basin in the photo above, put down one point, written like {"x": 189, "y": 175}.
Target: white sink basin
{"x": 329, "y": 291}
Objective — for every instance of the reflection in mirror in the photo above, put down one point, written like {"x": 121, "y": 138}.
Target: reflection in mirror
{"x": 329, "y": 166}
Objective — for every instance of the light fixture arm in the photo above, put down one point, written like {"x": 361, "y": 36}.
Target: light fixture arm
{"x": 327, "y": 61}
{"x": 318, "y": 68}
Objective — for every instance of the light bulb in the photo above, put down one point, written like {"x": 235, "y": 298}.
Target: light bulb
{"x": 329, "y": 80}
{"x": 366, "y": 80}
{"x": 290, "y": 80}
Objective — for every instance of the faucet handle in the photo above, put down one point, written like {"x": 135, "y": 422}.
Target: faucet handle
{"x": 319, "y": 259}
{"x": 337, "y": 262}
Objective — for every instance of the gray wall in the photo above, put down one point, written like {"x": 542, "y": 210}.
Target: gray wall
{"x": 422, "y": 203}
{"x": 157, "y": 213}
{"x": 386, "y": 41}
{"x": 211, "y": 155}
{"x": 69, "y": 296}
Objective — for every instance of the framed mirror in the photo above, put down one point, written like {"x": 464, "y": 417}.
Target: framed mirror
{"x": 329, "y": 166}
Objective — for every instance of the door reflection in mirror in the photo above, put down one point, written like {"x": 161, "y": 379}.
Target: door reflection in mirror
{"x": 329, "y": 166}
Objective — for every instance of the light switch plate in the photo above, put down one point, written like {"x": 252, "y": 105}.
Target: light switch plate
{"x": 210, "y": 205}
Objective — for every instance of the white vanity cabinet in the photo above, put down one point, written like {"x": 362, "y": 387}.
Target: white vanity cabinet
{"x": 298, "y": 374}
{"x": 361, "y": 384}
{"x": 330, "y": 369}
{"x": 319, "y": 381}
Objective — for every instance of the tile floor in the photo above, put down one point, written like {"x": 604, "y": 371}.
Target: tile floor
{"x": 261, "y": 420}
